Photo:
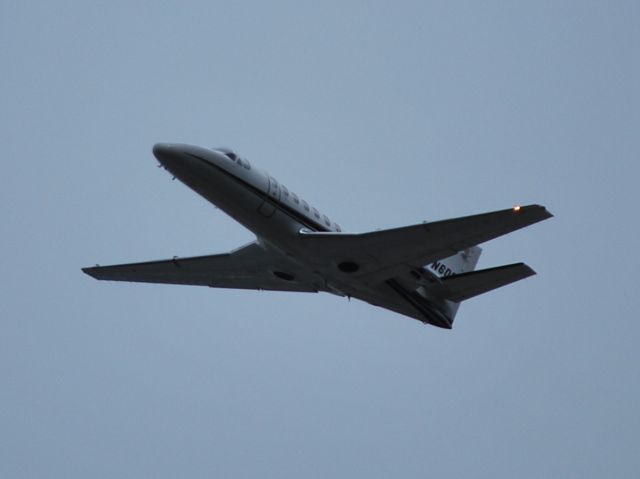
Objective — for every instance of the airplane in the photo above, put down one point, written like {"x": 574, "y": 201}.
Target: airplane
{"x": 423, "y": 271}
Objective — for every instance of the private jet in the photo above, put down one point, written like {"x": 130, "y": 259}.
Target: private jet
{"x": 423, "y": 271}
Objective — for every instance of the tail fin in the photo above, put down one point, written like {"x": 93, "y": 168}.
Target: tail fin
{"x": 443, "y": 308}
{"x": 462, "y": 262}
{"x": 457, "y": 281}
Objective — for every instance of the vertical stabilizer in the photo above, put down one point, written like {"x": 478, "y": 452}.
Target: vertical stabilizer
{"x": 463, "y": 262}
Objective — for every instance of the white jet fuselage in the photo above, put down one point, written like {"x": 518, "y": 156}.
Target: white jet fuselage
{"x": 255, "y": 199}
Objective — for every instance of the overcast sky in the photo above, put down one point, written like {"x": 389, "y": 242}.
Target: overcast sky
{"x": 380, "y": 114}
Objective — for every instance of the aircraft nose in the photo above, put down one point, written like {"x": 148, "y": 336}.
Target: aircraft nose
{"x": 166, "y": 153}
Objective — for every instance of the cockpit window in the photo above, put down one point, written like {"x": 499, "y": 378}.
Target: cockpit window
{"x": 228, "y": 153}
{"x": 233, "y": 156}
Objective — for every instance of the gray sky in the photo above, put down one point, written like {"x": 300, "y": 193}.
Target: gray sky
{"x": 381, "y": 114}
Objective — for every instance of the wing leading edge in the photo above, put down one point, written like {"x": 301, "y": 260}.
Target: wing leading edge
{"x": 248, "y": 267}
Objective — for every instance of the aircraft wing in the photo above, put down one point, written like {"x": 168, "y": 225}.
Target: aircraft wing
{"x": 249, "y": 267}
{"x": 380, "y": 255}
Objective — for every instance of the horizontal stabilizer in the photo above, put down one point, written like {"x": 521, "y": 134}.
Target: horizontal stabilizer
{"x": 467, "y": 285}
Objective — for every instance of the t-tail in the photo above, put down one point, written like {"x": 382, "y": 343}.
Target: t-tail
{"x": 455, "y": 279}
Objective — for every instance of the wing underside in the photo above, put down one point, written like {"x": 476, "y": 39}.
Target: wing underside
{"x": 381, "y": 255}
{"x": 249, "y": 267}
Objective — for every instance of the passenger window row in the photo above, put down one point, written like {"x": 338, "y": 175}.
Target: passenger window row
{"x": 286, "y": 195}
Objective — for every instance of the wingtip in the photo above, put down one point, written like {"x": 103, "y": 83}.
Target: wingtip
{"x": 527, "y": 271}
{"x": 546, "y": 212}
{"x": 90, "y": 271}
{"x": 539, "y": 211}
